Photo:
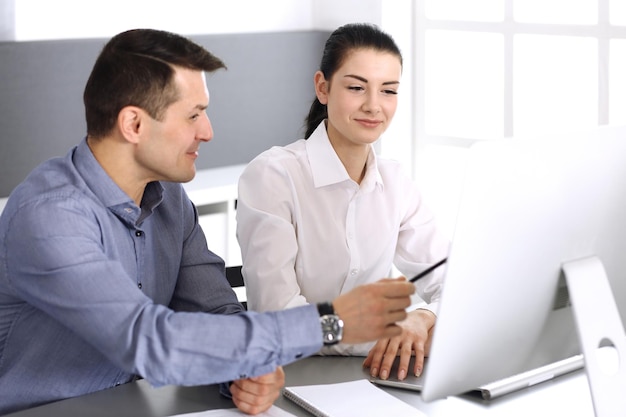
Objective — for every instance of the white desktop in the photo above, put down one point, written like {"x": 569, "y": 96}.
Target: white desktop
{"x": 528, "y": 208}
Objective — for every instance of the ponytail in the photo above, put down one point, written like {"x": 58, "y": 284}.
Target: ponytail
{"x": 317, "y": 113}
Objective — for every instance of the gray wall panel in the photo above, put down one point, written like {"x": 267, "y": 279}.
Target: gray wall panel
{"x": 260, "y": 101}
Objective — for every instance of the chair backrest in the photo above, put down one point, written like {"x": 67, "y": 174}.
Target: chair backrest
{"x": 233, "y": 274}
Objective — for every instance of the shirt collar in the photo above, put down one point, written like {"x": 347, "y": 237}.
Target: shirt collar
{"x": 326, "y": 167}
{"x": 372, "y": 175}
{"x": 107, "y": 191}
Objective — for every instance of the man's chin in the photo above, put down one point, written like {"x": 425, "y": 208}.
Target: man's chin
{"x": 182, "y": 177}
{"x": 187, "y": 178}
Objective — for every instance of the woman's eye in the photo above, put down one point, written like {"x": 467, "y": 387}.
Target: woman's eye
{"x": 393, "y": 92}
{"x": 355, "y": 88}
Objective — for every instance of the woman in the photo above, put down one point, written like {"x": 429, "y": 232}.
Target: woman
{"x": 325, "y": 214}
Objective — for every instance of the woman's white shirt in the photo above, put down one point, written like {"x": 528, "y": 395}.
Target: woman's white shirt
{"x": 308, "y": 232}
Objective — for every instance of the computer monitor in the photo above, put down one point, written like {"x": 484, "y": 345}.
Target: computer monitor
{"x": 528, "y": 207}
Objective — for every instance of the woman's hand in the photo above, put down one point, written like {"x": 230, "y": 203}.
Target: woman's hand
{"x": 415, "y": 340}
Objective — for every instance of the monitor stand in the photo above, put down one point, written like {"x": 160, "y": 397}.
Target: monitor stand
{"x": 601, "y": 334}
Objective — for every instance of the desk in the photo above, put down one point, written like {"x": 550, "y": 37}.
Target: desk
{"x": 567, "y": 395}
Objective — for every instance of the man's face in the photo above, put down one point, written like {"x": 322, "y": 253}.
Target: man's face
{"x": 169, "y": 147}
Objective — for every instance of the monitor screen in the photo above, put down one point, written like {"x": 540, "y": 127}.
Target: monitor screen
{"x": 528, "y": 206}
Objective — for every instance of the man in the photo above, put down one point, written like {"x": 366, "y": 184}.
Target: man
{"x": 104, "y": 270}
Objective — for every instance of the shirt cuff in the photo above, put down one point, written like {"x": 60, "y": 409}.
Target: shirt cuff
{"x": 432, "y": 307}
{"x": 300, "y": 333}
{"x": 225, "y": 389}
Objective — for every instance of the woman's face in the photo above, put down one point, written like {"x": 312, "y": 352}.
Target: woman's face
{"x": 361, "y": 96}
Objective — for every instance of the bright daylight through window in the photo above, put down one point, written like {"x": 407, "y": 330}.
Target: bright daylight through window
{"x": 492, "y": 69}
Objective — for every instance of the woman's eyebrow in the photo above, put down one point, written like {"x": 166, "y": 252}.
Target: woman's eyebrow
{"x": 358, "y": 77}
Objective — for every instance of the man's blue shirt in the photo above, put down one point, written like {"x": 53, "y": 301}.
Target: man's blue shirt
{"x": 95, "y": 290}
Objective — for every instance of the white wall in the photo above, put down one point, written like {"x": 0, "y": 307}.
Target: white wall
{"x": 329, "y": 14}
{"x": 25, "y": 20}
{"x": 61, "y": 19}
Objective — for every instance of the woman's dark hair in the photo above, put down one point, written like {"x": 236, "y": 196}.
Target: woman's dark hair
{"x": 135, "y": 68}
{"x": 339, "y": 45}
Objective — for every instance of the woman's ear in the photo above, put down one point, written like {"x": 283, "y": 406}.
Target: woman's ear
{"x": 129, "y": 122}
{"x": 321, "y": 87}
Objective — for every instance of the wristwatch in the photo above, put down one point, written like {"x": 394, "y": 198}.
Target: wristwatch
{"x": 332, "y": 325}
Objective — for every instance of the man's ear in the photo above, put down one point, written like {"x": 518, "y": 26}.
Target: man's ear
{"x": 321, "y": 87}
{"x": 130, "y": 122}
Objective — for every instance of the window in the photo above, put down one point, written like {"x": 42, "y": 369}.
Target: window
{"x": 492, "y": 69}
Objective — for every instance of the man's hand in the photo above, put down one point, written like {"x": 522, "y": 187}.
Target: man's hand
{"x": 256, "y": 395}
{"x": 370, "y": 312}
{"x": 415, "y": 339}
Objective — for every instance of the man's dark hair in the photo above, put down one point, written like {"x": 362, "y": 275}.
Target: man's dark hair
{"x": 136, "y": 68}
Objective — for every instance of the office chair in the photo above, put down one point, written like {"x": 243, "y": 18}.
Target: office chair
{"x": 233, "y": 274}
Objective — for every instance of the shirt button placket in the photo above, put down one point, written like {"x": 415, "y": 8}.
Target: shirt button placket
{"x": 139, "y": 253}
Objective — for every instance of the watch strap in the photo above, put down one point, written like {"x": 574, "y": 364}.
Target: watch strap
{"x": 325, "y": 309}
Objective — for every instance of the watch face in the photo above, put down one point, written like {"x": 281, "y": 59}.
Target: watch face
{"x": 332, "y": 327}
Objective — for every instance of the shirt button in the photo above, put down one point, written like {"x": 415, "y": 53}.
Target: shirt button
{"x": 139, "y": 285}
{"x": 243, "y": 376}
{"x": 353, "y": 272}
{"x": 138, "y": 233}
{"x": 298, "y": 355}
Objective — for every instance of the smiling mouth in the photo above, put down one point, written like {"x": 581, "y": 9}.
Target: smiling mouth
{"x": 369, "y": 123}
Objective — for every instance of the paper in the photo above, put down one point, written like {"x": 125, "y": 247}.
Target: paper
{"x": 233, "y": 412}
{"x": 349, "y": 399}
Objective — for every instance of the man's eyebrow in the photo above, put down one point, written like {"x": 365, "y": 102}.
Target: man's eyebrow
{"x": 202, "y": 107}
{"x": 358, "y": 77}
